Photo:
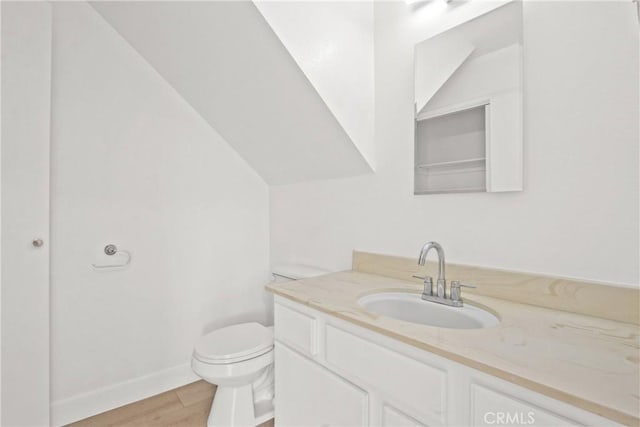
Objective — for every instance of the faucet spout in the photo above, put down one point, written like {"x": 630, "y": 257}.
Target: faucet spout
{"x": 441, "y": 283}
{"x": 423, "y": 256}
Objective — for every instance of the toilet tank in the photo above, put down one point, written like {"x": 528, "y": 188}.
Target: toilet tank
{"x": 287, "y": 272}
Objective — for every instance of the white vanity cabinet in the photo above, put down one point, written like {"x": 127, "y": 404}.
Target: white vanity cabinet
{"x": 331, "y": 372}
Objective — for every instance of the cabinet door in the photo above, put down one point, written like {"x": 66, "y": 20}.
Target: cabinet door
{"x": 26, "y": 101}
{"x": 309, "y": 395}
{"x": 490, "y": 407}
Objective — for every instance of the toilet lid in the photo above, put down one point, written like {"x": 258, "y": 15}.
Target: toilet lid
{"x": 234, "y": 343}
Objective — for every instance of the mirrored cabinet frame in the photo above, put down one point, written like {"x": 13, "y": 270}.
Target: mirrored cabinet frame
{"x": 469, "y": 107}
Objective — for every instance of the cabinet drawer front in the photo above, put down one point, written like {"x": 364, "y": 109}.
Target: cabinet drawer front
{"x": 298, "y": 330}
{"x": 309, "y": 395}
{"x": 490, "y": 407}
{"x": 419, "y": 387}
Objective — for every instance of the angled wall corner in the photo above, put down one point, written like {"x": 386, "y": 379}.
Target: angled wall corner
{"x": 333, "y": 44}
{"x": 227, "y": 62}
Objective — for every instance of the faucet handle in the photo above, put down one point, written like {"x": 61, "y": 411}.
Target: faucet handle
{"x": 428, "y": 284}
{"x": 455, "y": 289}
{"x": 465, "y": 285}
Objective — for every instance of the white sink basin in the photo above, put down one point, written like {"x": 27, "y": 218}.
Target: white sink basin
{"x": 411, "y": 308}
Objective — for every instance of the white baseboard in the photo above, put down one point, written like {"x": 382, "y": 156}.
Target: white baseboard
{"x": 97, "y": 401}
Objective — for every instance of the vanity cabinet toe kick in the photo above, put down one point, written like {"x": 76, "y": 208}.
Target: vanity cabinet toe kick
{"x": 332, "y": 372}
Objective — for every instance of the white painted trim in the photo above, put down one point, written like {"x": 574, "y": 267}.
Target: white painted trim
{"x": 97, "y": 401}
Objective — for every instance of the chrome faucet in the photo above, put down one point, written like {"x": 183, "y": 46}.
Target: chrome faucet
{"x": 440, "y": 296}
{"x": 442, "y": 282}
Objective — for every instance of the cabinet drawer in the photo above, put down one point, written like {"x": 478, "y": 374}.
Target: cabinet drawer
{"x": 491, "y": 407}
{"x": 297, "y": 330}
{"x": 421, "y": 389}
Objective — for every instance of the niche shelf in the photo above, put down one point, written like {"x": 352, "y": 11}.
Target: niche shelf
{"x": 453, "y": 163}
{"x": 450, "y": 153}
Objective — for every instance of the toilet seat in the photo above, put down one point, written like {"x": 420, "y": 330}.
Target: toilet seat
{"x": 234, "y": 343}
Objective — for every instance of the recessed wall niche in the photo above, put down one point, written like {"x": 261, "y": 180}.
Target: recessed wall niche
{"x": 468, "y": 103}
{"x": 451, "y": 153}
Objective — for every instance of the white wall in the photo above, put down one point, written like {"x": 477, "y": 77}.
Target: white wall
{"x": 332, "y": 42}
{"x": 133, "y": 164}
{"x": 578, "y": 215}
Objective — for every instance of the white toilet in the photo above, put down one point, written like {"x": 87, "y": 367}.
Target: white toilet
{"x": 239, "y": 360}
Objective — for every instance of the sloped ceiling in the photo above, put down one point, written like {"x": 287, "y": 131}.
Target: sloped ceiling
{"x": 332, "y": 42}
{"x": 226, "y": 61}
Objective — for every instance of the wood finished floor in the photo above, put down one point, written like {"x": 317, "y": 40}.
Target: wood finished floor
{"x": 186, "y": 406}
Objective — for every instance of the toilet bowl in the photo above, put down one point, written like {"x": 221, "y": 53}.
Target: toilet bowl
{"x": 239, "y": 360}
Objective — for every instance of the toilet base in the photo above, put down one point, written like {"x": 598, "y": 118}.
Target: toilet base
{"x": 232, "y": 407}
{"x": 248, "y": 405}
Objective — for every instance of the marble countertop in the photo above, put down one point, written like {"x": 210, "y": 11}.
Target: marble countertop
{"x": 588, "y": 362}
